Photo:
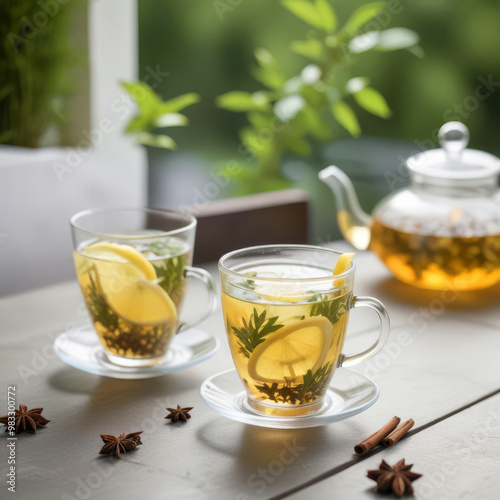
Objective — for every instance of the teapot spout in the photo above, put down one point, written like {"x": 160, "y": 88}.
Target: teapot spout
{"x": 352, "y": 220}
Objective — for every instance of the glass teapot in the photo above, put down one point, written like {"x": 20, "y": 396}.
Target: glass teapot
{"x": 443, "y": 232}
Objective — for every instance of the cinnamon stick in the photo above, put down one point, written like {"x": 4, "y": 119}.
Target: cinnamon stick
{"x": 371, "y": 441}
{"x": 396, "y": 435}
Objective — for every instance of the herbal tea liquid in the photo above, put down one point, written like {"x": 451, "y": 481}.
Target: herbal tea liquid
{"x": 438, "y": 261}
{"x": 133, "y": 293}
{"x": 285, "y": 347}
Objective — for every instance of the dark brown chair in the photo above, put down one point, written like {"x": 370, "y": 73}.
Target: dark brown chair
{"x": 267, "y": 218}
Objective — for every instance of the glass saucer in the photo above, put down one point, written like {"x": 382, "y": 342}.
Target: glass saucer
{"x": 80, "y": 348}
{"x": 349, "y": 393}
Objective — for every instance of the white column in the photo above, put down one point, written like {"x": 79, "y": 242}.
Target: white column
{"x": 40, "y": 189}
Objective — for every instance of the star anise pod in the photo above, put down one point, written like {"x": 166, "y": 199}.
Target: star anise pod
{"x": 26, "y": 420}
{"x": 120, "y": 444}
{"x": 397, "y": 479}
{"x": 179, "y": 413}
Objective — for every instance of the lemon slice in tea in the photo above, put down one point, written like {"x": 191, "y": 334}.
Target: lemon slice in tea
{"x": 286, "y": 294}
{"x": 127, "y": 281}
{"x": 128, "y": 253}
{"x": 291, "y": 351}
{"x": 341, "y": 267}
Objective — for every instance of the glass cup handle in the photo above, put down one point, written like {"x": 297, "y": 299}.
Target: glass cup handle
{"x": 383, "y": 316}
{"x": 206, "y": 278}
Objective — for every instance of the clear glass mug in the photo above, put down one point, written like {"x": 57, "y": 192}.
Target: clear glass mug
{"x": 132, "y": 266}
{"x": 286, "y": 319}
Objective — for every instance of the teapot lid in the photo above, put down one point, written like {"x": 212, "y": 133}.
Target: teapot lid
{"x": 454, "y": 161}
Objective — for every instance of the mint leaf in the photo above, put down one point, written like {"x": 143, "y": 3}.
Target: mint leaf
{"x": 311, "y": 49}
{"x": 362, "y": 15}
{"x": 345, "y": 115}
{"x": 327, "y": 14}
{"x": 157, "y": 141}
{"x": 269, "y": 73}
{"x": 306, "y": 11}
{"x": 373, "y": 101}
{"x": 179, "y": 103}
{"x": 243, "y": 101}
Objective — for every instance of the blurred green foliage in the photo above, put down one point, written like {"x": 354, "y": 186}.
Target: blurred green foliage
{"x": 209, "y": 50}
{"x": 36, "y": 57}
{"x": 155, "y": 114}
{"x": 292, "y": 112}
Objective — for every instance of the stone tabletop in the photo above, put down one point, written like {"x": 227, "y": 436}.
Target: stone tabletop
{"x": 440, "y": 367}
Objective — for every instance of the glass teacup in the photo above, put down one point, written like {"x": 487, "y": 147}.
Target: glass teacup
{"x": 132, "y": 266}
{"x": 286, "y": 318}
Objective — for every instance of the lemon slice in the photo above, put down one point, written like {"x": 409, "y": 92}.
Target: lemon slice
{"x": 128, "y": 282}
{"x": 128, "y": 253}
{"x": 143, "y": 303}
{"x": 273, "y": 293}
{"x": 341, "y": 267}
{"x": 291, "y": 351}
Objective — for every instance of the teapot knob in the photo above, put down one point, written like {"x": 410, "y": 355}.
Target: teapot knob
{"x": 454, "y": 137}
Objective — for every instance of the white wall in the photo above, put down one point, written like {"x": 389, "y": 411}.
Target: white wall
{"x": 41, "y": 189}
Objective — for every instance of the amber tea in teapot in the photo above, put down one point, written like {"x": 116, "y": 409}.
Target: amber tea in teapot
{"x": 443, "y": 232}
{"x": 434, "y": 261}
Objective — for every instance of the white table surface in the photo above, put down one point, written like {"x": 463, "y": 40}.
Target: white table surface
{"x": 440, "y": 367}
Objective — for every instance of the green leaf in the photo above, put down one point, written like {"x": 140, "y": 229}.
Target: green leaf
{"x": 417, "y": 51}
{"x": 308, "y": 48}
{"x": 155, "y": 113}
{"x": 98, "y": 306}
{"x": 145, "y": 97}
{"x": 396, "y": 39}
{"x": 255, "y": 144}
{"x": 171, "y": 120}
{"x": 332, "y": 309}
{"x": 180, "y": 102}
{"x": 384, "y": 41}
{"x": 364, "y": 42}
{"x": 309, "y": 121}
{"x": 268, "y": 72}
{"x": 373, "y": 101}
{"x": 254, "y": 331}
{"x": 306, "y": 11}
{"x": 362, "y": 15}
{"x": 139, "y": 123}
{"x": 316, "y": 98}
{"x": 327, "y": 14}
{"x": 243, "y": 101}
{"x": 345, "y": 115}
{"x": 170, "y": 272}
{"x": 157, "y": 141}
{"x": 259, "y": 120}
{"x": 148, "y": 102}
